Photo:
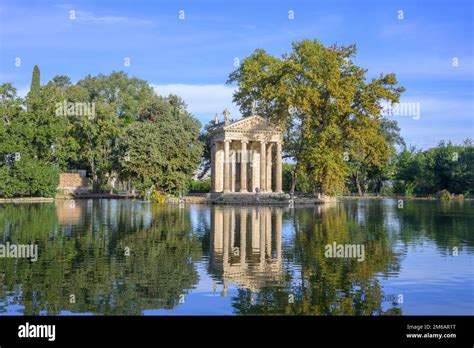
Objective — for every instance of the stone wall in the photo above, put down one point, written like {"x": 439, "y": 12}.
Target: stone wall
{"x": 72, "y": 183}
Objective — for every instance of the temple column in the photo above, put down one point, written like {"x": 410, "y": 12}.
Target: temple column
{"x": 278, "y": 169}
{"x": 232, "y": 230}
{"x": 217, "y": 231}
{"x": 263, "y": 166}
{"x": 233, "y": 162}
{"x": 243, "y": 235}
{"x": 278, "y": 228}
{"x": 254, "y": 230}
{"x": 255, "y": 170}
{"x": 219, "y": 166}
{"x": 268, "y": 231}
{"x": 227, "y": 231}
{"x": 213, "y": 167}
{"x": 269, "y": 167}
{"x": 262, "y": 236}
{"x": 226, "y": 166}
{"x": 243, "y": 167}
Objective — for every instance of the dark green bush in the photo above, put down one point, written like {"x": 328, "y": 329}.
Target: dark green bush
{"x": 199, "y": 186}
{"x": 28, "y": 177}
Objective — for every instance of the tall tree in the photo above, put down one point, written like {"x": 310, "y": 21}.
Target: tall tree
{"x": 24, "y": 168}
{"x": 370, "y": 157}
{"x": 117, "y": 100}
{"x": 324, "y": 103}
{"x": 35, "y": 80}
{"x": 127, "y": 94}
{"x": 98, "y": 137}
{"x": 162, "y": 149}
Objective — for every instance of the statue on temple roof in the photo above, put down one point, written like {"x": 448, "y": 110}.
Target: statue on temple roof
{"x": 226, "y": 114}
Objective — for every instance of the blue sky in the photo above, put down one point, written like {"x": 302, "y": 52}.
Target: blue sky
{"x": 193, "y": 56}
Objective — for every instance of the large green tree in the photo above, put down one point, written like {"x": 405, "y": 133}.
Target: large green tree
{"x": 98, "y": 137}
{"x": 25, "y": 168}
{"x": 43, "y": 132}
{"x": 126, "y": 94}
{"x": 444, "y": 167}
{"x": 162, "y": 149}
{"x": 117, "y": 99}
{"x": 324, "y": 103}
{"x": 371, "y": 167}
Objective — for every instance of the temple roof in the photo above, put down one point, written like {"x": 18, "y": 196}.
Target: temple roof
{"x": 254, "y": 122}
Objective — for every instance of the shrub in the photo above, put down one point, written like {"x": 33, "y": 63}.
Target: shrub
{"x": 409, "y": 189}
{"x": 199, "y": 185}
{"x": 29, "y": 177}
{"x": 158, "y": 197}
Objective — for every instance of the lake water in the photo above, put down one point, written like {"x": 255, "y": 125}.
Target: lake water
{"x": 356, "y": 257}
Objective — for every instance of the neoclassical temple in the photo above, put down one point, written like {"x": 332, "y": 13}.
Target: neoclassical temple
{"x": 246, "y": 156}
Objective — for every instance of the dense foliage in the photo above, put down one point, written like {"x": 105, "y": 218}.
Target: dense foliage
{"x": 93, "y": 125}
{"x": 330, "y": 113}
{"x": 163, "y": 148}
{"x": 334, "y": 130}
{"x": 445, "y": 167}
{"x": 28, "y": 177}
{"x": 116, "y": 127}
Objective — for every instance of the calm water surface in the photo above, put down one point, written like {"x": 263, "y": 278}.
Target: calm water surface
{"x": 121, "y": 257}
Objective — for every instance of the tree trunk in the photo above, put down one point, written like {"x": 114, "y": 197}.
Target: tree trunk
{"x": 95, "y": 183}
{"x": 293, "y": 181}
{"x": 359, "y": 188}
{"x": 94, "y": 177}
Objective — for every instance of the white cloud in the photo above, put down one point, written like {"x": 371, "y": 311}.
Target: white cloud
{"x": 89, "y": 17}
{"x": 441, "y": 118}
{"x": 422, "y": 67}
{"x": 203, "y": 100}
{"x": 441, "y": 108}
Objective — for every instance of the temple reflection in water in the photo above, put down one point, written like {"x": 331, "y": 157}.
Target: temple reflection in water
{"x": 246, "y": 246}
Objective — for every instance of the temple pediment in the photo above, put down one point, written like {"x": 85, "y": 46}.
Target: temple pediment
{"x": 251, "y": 123}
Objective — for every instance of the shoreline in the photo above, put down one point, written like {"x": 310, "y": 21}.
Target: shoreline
{"x": 202, "y": 199}
{"x": 27, "y": 200}
{"x": 427, "y": 198}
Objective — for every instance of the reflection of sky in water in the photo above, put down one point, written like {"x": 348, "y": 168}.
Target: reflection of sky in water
{"x": 419, "y": 238}
{"x": 203, "y": 299}
{"x": 432, "y": 283}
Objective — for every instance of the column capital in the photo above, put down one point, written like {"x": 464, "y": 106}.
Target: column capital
{"x": 244, "y": 141}
{"x": 227, "y": 140}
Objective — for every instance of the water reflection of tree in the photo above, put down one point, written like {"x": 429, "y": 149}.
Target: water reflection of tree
{"x": 90, "y": 261}
{"x": 448, "y": 224}
{"x": 327, "y": 286}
